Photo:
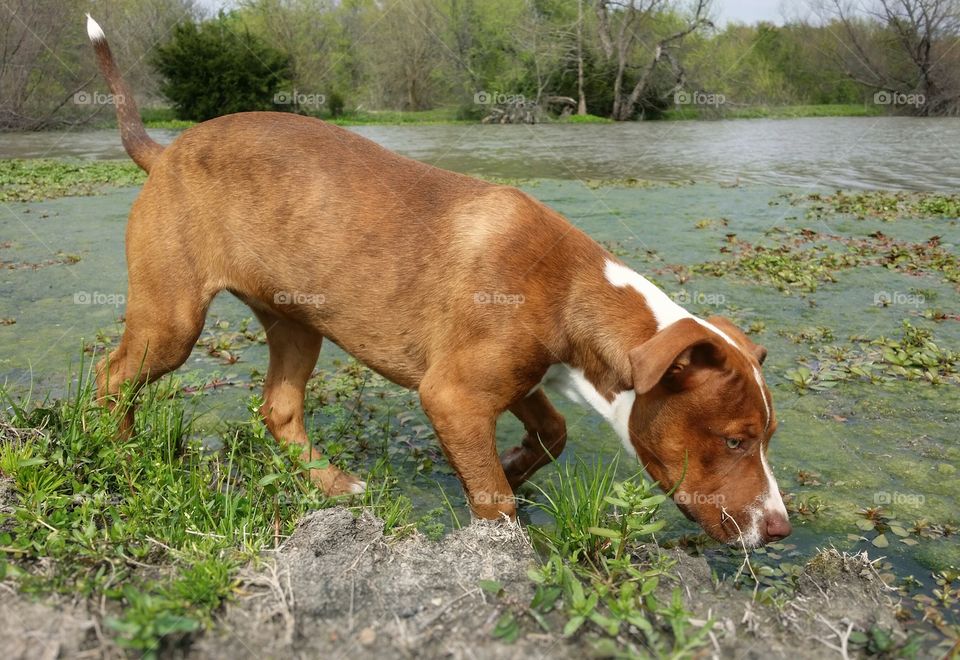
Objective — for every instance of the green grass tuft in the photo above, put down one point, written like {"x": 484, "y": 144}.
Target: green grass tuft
{"x": 157, "y": 525}
{"x": 603, "y": 570}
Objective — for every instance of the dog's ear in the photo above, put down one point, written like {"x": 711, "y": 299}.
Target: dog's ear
{"x": 735, "y": 333}
{"x": 679, "y": 357}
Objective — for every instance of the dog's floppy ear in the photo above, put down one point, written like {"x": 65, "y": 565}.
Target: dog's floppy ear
{"x": 735, "y": 333}
{"x": 678, "y": 356}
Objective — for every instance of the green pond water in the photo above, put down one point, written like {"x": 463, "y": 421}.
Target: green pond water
{"x": 839, "y": 451}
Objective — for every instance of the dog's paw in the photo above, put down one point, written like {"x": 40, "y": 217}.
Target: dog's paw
{"x": 335, "y": 482}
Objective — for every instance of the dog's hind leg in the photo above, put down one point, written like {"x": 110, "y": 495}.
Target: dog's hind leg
{"x": 163, "y": 323}
{"x": 294, "y": 349}
{"x": 545, "y": 439}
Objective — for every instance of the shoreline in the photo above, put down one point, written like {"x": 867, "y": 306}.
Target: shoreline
{"x": 163, "y": 118}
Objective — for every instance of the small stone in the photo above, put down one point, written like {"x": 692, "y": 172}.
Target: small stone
{"x": 367, "y": 637}
{"x": 436, "y": 602}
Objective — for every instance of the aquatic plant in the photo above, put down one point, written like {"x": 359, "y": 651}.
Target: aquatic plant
{"x": 37, "y": 179}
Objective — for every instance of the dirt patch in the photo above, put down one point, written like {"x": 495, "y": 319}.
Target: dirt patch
{"x": 47, "y": 629}
{"x": 836, "y": 594}
{"x": 339, "y": 588}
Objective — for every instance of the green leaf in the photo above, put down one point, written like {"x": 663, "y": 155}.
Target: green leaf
{"x": 318, "y": 464}
{"x": 858, "y": 638}
{"x": 270, "y": 478}
{"x": 573, "y": 625}
{"x": 507, "y": 628}
{"x": 536, "y": 576}
{"x": 545, "y": 598}
{"x": 616, "y": 501}
{"x": 606, "y": 533}
{"x": 881, "y": 541}
{"x": 491, "y": 586}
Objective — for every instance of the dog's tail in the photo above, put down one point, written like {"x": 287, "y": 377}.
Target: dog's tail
{"x": 141, "y": 147}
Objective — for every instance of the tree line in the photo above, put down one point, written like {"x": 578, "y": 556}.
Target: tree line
{"x": 622, "y": 59}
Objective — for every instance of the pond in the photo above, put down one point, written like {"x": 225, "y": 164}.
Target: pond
{"x": 845, "y": 446}
{"x": 900, "y": 153}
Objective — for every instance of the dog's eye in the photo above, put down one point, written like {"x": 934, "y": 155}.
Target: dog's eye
{"x": 734, "y": 443}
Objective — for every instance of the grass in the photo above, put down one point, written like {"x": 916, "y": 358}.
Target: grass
{"x": 38, "y": 179}
{"x": 775, "y": 111}
{"x": 584, "y": 119}
{"x": 155, "y": 525}
{"x": 603, "y": 570}
{"x": 164, "y": 118}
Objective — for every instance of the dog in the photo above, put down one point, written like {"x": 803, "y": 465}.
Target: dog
{"x": 475, "y": 295}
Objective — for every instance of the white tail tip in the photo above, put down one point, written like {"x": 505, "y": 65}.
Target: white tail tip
{"x": 94, "y": 31}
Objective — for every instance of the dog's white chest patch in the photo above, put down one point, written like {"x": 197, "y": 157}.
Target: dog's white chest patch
{"x": 574, "y": 385}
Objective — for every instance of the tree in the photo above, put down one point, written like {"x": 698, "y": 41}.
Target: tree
{"x": 620, "y": 24}
{"x": 217, "y": 68}
{"x": 46, "y": 63}
{"x": 902, "y": 48}
{"x": 309, "y": 33}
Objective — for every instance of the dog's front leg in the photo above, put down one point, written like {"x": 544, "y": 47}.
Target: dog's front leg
{"x": 545, "y": 439}
{"x": 464, "y": 417}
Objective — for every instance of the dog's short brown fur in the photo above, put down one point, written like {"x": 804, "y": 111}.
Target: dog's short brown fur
{"x": 326, "y": 234}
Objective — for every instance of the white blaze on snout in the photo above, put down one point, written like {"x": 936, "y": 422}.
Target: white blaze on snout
{"x": 768, "y": 503}
{"x": 772, "y": 501}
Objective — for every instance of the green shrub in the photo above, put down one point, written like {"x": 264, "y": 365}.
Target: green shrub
{"x": 217, "y": 67}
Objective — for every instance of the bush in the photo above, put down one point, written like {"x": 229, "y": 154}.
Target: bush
{"x": 217, "y": 67}
{"x": 336, "y": 104}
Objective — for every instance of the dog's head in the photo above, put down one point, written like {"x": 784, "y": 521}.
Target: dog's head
{"x": 701, "y": 424}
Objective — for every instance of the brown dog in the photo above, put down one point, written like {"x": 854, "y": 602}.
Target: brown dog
{"x": 470, "y": 293}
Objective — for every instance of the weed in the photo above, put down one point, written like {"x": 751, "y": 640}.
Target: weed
{"x": 37, "y": 179}
{"x": 603, "y": 569}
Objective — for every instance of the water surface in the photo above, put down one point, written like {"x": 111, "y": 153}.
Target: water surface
{"x": 831, "y": 152}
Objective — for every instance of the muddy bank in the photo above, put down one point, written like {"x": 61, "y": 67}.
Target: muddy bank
{"x": 338, "y": 588}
